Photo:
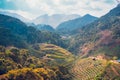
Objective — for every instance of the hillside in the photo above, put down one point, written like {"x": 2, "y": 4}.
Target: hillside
{"x": 99, "y": 37}
{"x": 44, "y": 27}
{"x": 16, "y": 33}
{"x": 70, "y": 25}
{"x": 20, "y": 64}
{"x": 53, "y": 53}
{"x": 14, "y": 24}
{"x": 93, "y": 68}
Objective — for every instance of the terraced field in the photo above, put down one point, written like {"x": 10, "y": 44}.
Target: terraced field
{"x": 87, "y": 69}
{"x": 112, "y": 72}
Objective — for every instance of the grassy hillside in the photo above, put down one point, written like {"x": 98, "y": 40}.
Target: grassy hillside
{"x": 21, "y": 64}
{"x": 52, "y": 53}
{"x": 112, "y": 72}
{"x": 93, "y": 68}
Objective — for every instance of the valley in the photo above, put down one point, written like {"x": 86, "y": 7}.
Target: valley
{"x": 60, "y": 47}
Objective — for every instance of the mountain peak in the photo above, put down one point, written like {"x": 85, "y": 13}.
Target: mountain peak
{"x": 68, "y": 26}
{"x": 88, "y": 15}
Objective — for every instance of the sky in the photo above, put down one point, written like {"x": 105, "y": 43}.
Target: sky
{"x": 33, "y": 8}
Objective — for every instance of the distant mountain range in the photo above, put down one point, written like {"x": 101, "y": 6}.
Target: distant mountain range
{"x": 54, "y": 20}
{"x": 63, "y": 22}
{"x": 14, "y": 15}
{"x": 70, "y": 25}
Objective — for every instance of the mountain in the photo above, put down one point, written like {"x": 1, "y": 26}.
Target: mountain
{"x": 98, "y": 47}
{"x": 99, "y": 37}
{"x": 14, "y": 24}
{"x": 14, "y": 15}
{"x": 44, "y": 27}
{"x": 30, "y": 24}
{"x": 14, "y": 32}
{"x": 68, "y": 26}
{"x": 54, "y": 20}
{"x": 26, "y": 54}
{"x": 31, "y": 54}
{"x": 11, "y": 30}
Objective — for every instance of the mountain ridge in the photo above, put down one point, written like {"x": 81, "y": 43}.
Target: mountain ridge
{"x": 101, "y": 36}
{"x": 54, "y": 20}
{"x": 68, "y": 26}
{"x": 20, "y": 35}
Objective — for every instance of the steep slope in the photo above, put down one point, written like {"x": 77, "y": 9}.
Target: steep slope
{"x": 99, "y": 37}
{"x": 14, "y": 24}
{"x": 68, "y": 26}
{"x": 43, "y": 27}
{"x": 54, "y": 20}
{"x": 12, "y": 31}
{"x": 15, "y": 33}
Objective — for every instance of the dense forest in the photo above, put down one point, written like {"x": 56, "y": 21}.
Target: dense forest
{"x": 16, "y": 33}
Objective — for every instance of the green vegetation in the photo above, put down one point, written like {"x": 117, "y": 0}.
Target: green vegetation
{"x": 53, "y": 53}
{"x": 29, "y": 73}
{"x": 20, "y": 64}
{"x": 87, "y": 69}
{"x": 13, "y": 32}
{"x": 94, "y": 68}
{"x": 43, "y": 27}
{"x": 112, "y": 72}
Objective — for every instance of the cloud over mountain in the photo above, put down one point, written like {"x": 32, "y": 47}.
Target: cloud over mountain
{"x": 39, "y": 7}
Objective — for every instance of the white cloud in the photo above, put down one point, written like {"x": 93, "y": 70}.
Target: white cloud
{"x": 32, "y": 3}
{"x": 26, "y": 15}
{"x": 82, "y": 7}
